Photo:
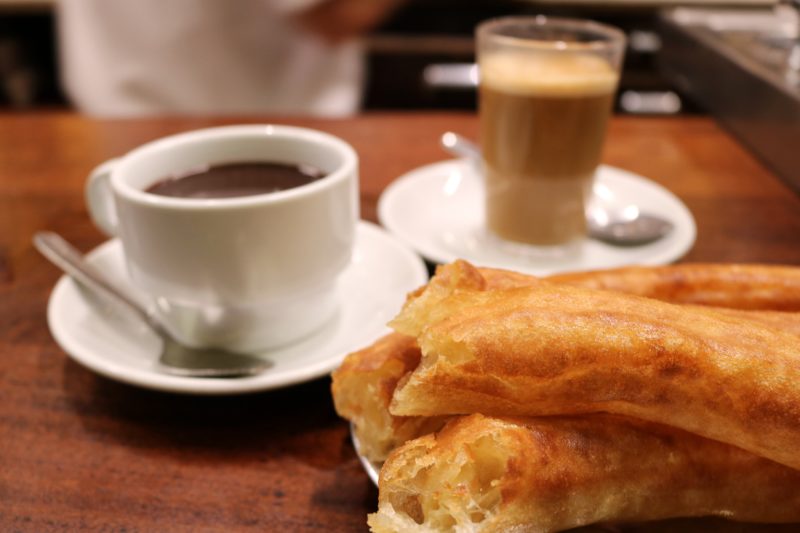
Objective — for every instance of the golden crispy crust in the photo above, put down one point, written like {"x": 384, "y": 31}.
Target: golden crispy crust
{"x": 549, "y": 474}
{"x": 766, "y": 294}
{"x": 786, "y": 321}
{"x": 750, "y": 292}
{"x": 362, "y": 389}
{"x": 550, "y": 349}
{"x": 719, "y": 285}
{"x": 363, "y": 385}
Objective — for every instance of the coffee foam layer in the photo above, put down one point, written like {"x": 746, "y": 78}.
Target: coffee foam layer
{"x": 547, "y": 75}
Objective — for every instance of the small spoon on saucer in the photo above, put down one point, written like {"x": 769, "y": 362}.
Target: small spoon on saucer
{"x": 175, "y": 359}
{"x": 622, "y": 227}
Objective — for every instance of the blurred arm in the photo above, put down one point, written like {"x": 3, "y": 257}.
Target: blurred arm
{"x": 339, "y": 20}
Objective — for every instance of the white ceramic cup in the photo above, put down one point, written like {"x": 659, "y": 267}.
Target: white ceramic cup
{"x": 243, "y": 273}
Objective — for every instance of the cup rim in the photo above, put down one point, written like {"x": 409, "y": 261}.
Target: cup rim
{"x": 611, "y": 35}
{"x": 342, "y": 172}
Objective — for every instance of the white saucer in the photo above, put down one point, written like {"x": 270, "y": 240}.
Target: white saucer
{"x": 371, "y": 291}
{"x": 372, "y": 468}
{"x": 438, "y": 210}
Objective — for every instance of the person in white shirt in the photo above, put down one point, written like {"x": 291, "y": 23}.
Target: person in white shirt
{"x": 222, "y": 57}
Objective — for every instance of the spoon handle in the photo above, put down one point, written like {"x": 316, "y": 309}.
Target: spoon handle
{"x": 70, "y": 260}
{"x": 459, "y": 145}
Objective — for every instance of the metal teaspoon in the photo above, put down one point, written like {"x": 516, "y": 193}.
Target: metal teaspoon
{"x": 628, "y": 228}
{"x": 175, "y": 359}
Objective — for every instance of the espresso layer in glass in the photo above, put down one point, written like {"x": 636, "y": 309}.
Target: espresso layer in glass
{"x": 543, "y": 122}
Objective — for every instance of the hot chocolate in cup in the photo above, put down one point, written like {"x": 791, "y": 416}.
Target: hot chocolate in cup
{"x": 246, "y": 270}
{"x": 546, "y": 92}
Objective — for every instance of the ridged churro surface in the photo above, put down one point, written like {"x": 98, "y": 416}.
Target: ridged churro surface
{"x": 551, "y": 349}
{"x": 740, "y": 286}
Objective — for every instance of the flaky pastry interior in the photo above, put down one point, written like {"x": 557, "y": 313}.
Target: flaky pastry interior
{"x": 482, "y": 474}
{"x": 362, "y": 391}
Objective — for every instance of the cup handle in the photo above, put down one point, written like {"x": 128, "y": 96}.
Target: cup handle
{"x": 100, "y": 200}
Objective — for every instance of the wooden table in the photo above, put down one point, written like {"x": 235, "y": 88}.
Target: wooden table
{"x": 80, "y": 452}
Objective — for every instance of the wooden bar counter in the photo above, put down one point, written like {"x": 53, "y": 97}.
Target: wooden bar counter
{"x": 81, "y": 452}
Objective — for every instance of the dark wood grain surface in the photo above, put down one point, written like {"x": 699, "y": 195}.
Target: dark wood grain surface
{"x": 80, "y": 452}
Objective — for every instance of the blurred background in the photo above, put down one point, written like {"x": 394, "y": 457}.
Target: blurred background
{"x": 420, "y": 57}
{"x": 738, "y": 60}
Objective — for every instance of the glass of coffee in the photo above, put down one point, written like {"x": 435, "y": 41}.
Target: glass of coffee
{"x": 546, "y": 92}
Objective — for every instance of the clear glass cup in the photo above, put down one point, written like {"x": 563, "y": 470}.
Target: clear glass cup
{"x": 547, "y": 88}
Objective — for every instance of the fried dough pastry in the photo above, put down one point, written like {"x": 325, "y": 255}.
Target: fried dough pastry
{"x": 362, "y": 390}
{"x": 749, "y": 292}
{"x": 742, "y": 286}
{"x": 482, "y": 474}
{"x": 363, "y": 385}
{"x": 550, "y": 349}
